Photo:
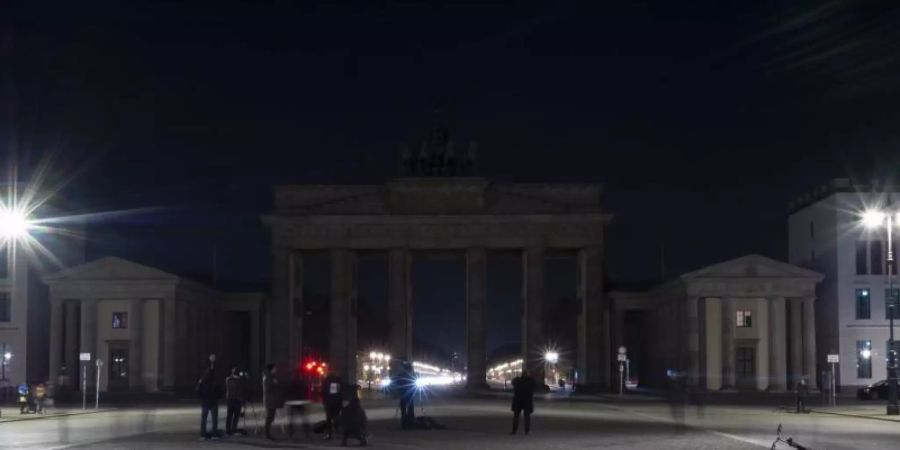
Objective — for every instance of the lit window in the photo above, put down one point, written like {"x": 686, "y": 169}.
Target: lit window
{"x": 864, "y": 359}
{"x": 5, "y": 307}
{"x": 744, "y": 318}
{"x": 120, "y": 320}
{"x": 863, "y": 304}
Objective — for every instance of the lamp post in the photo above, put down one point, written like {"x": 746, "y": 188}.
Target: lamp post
{"x": 873, "y": 219}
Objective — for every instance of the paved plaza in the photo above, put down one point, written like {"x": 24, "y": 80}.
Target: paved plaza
{"x": 478, "y": 424}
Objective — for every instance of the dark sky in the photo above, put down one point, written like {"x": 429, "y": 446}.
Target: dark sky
{"x": 702, "y": 118}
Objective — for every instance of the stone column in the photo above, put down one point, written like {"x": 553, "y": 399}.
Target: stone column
{"x": 89, "y": 336}
{"x": 71, "y": 341}
{"x": 593, "y": 346}
{"x": 809, "y": 342}
{"x": 476, "y": 317}
{"x": 279, "y": 339}
{"x": 728, "y": 331}
{"x": 777, "y": 344}
{"x": 170, "y": 341}
{"x": 399, "y": 291}
{"x": 296, "y": 309}
{"x": 56, "y": 341}
{"x": 795, "y": 343}
{"x": 692, "y": 331}
{"x": 532, "y": 317}
{"x": 343, "y": 313}
{"x": 136, "y": 349}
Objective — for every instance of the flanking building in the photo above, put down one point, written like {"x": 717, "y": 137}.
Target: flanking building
{"x": 744, "y": 324}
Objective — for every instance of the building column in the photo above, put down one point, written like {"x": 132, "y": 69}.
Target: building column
{"x": 593, "y": 338}
{"x": 71, "y": 342}
{"x": 89, "y": 336}
{"x": 169, "y": 340}
{"x": 809, "y": 342}
{"x": 476, "y": 317}
{"x": 777, "y": 344}
{"x": 532, "y": 312}
{"x": 296, "y": 307}
{"x": 343, "y": 314}
{"x": 279, "y": 338}
{"x": 56, "y": 342}
{"x": 795, "y": 343}
{"x": 728, "y": 327}
{"x": 693, "y": 341}
{"x": 399, "y": 291}
{"x": 136, "y": 350}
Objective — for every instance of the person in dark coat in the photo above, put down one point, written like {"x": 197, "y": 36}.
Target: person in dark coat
{"x": 234, "y": 397}
{"x": 271, "y": 397}
{"x": 209, "y": 391}
{"x": 354, "y": 423}
{"x": 523, "y": 400}
{"x": 405, "y": 384}
{"x": 333, "y": 401}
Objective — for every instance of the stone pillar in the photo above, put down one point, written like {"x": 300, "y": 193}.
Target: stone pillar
{"x": 532, "y": 309}
{"x": 476, "y": 317}
{"x": 279, "y": 339}
{"x": 170, "y": 342}
{"x": 89, "y": 337}
{"x": 136, "y": 349}
{"x": 56, "y": 341}
{"x": 728, "y": 331}
{"x": 399, "y": 291}
{"x": 777, "y": 344}
{"x": 795, "y": 343}
{"x": 295, "y": 283}
{"x": 809, "y": 342}
{"x": 593, "y": 346}
{"x": 343, "y": 314}
{"x": 71, "y": 341}
{"x": 692, "y": 331}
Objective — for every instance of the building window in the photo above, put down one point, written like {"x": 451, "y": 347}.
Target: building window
{"x": 120, "y": 320}
{"x": 4, "y": 348}
{"x": 876, "y": 258}
{"x": 744, "y": 318}
{"x": 863, "y": 359}
{"x": 894, "y": 257}
{"x": 863, "y": 304}
{"x": 890, "y": 303}
{"x": 5, "y": 307}
{"x": 861, "y": 258}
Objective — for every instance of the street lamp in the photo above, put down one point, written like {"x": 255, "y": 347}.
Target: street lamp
{"x": 873, "y": 219}
{"x": 552, "y": 357}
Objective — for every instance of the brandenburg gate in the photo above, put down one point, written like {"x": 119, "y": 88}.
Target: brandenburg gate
{"x": 457, "y": 213}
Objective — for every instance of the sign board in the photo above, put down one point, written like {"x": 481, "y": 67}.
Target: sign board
{"x": 84, "y": 356}
{"x": 99, "y": 362}
{"x": 833, "y": 358}
{"x": 622, "y": 357}
{"x": 622, "y": 350}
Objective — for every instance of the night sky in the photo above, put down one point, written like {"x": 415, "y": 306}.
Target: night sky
{"x": 701, "y": 118}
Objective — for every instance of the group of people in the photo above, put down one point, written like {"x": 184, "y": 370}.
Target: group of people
{"x": 209, "y": 390}
{"x": 31, "y": 398}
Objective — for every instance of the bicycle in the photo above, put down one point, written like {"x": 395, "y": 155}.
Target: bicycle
{"x": 789, "y": 441}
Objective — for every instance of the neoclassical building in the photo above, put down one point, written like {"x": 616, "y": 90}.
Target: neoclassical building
{"x": 152, "y": 329}
{"x": 744, "y": 324}
{"x": 469, "y": 215}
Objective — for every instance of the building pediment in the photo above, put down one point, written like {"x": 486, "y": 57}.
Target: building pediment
{"x": 110, "y": 268}
{"x": 753, "y": 266}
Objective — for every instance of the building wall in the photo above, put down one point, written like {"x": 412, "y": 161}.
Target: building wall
{"x": 151, "y": 339}
{"x": 837, "y": 230}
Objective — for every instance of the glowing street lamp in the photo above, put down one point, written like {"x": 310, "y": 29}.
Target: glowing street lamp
{"x": 874, "y": 219}
{"x": 552, "y": 357}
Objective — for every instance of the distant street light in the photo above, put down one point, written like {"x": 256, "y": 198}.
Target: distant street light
{"x": 14, "y": 223}
{"x": 552, "y": 357}
{"x": 874, "y": 219}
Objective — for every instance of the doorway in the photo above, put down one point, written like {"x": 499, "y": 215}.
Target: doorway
{"x": 118, "y": 368}
{"x": 745, "y": 367}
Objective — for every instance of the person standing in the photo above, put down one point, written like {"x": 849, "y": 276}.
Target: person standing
{"x": 406, "y": 388}
{"x": 523, "y": 400}
{"x": 209, "y": 391}
{"x": 40, "y": 392}
{"x": 24, "y": 393}
{"x": 271, "y": 397}
{"x": 354, "y": 422}
{"x": 333, "y": 401}
{"x": 234, "y": 398}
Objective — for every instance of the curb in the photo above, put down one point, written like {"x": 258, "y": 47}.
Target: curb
{"x": 858, "y": 416}
{"x": 51, "y": 416}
